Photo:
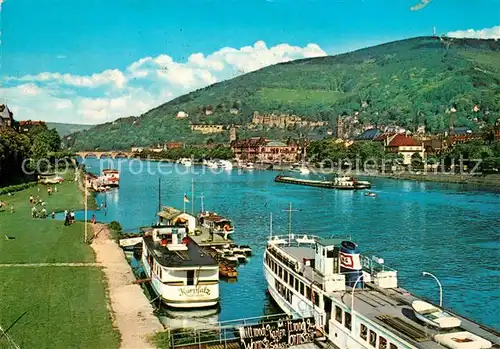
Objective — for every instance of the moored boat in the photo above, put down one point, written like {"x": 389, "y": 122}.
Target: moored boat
{"x": 227, "y": 271}
{"x": 357, "y": 300}
{"x": 215, "y": 223}
{"x": 181, "y": 273}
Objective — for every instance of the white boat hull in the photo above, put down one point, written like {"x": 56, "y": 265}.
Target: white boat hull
{"x": 183, "y": 296}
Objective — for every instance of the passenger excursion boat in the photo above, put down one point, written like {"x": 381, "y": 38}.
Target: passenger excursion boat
{"x": 357, "y": 301}
{"x": 218, "y": 224}
{"x": 110, "y": 178}
{"x": 181, "y": 273}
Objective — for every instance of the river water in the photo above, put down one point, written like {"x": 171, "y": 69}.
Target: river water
{"x": 450, "y": 230}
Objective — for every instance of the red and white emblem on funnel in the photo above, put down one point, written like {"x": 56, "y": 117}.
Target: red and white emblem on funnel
{"x": 346, "y": 260}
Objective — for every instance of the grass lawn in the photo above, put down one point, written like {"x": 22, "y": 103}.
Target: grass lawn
{"x": 66, "y": 308}
{"x": 42, "y": 240}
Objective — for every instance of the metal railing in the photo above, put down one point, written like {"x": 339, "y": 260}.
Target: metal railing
{"x": 221, "y": 333}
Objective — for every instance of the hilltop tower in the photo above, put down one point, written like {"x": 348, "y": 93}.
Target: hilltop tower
{"x": 340, "y": 127}
{"x": 232, "y": 134}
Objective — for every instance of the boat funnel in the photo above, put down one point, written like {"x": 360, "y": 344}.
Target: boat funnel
{"x": 350, "y": 264}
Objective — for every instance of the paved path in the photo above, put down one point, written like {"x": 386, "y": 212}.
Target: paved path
{"x": 131, "y": 311}
{"x": 50, "y": 265}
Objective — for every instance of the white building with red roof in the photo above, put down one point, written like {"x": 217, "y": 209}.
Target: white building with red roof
{"x": 404, "y": 145}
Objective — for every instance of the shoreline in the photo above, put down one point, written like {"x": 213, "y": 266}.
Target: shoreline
{"x": 129, "y": 308}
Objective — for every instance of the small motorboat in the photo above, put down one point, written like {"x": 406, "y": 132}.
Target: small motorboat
{"x": 462, "y": 340}
{"x": 246, "y": 250}
{"x": 230, "y": 258}
{"x": 235, "y": 249}
{"x": 227, "y": 271}
{"x": 371, "y": 194}
{"x": 241, "y": 257}
{"x": 434, "y": 316}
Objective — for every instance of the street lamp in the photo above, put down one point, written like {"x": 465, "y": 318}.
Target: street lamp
{"x": 439, "y": 284}
{"x": 354, "y": 288}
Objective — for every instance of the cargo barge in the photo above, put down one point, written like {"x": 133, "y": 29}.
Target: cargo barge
{"x": 341, "y": 183}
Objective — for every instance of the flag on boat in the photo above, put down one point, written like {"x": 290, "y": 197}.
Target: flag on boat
{"x": 186, "y": 198}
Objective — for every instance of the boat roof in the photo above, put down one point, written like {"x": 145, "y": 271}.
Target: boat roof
{"x": 169, "y": 213}
{"x": 194, "y": 256}
{"x": 389, "y": 308}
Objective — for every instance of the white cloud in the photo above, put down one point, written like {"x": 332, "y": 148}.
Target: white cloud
{"x": 143, "y": 85}
{"x": 486, "y": 33}
{"x": 107, "y": 77}
{"x": 420, "y": 5}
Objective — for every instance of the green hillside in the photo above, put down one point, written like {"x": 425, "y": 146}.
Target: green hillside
{"x": 410, "y": 82}
{"x": 67, "y": 129}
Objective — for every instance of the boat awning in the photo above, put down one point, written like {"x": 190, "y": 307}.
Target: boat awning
{"x": 169, "y": 213}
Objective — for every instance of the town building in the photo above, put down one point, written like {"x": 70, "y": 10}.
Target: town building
{"x": 207, "y": 129}
{"x": 181, "y": 115}
{"x": 283, "y": 121}
{"x": 264, "y": 150}
{"x": 175, "y": 145}
{"x": 6, "y": 117}
{"x": 26, "y": 126}
{"x": 234, "y": 111}
{"x": 404, "y": 145}
{"x": 369, "y": 135}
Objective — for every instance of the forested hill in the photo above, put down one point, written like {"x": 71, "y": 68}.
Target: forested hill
{"x": 410, "y": 82}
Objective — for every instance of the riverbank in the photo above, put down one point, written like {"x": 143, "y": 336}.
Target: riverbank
{"x": 131, "y": 311}
{"x": 49, "y": 274}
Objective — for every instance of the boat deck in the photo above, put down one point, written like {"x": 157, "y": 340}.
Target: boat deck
{"x": 204, "y": 239}
{"x": 194, "y": 256}
{"x": 391, "y": 308}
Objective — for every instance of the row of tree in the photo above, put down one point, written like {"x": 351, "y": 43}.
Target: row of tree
{"x": 197, "y": 153}
{"x": 485, "y": 154}
{"x": 22, "y": 156}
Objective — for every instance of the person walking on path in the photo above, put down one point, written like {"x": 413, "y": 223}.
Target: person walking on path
{"x": 92, "y": 220}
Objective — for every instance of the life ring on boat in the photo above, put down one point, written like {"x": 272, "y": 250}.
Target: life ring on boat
{"x": 227, "y": 227}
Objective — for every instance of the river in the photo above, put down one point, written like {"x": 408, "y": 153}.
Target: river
{"x": 450, "y": 230}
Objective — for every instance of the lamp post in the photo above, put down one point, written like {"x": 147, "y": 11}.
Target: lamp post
{"x": 85, "y": 225}
{"x": 439, "y": 284}
{"x": 352, "y": 300}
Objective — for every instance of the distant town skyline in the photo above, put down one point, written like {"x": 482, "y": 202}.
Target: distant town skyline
{"x": 95, "y": 61}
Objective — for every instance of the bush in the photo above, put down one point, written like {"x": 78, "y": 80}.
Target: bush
{"x": 17, "y": 187}
{"x": 116, "y": 229}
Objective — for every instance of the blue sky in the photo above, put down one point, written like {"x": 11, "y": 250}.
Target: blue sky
{"x": 85, "y": 49}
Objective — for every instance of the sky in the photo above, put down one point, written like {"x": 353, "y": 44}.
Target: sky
{"x": 94, "y": 61}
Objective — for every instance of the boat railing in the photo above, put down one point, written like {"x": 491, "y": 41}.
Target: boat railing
{"x": 220, "y": 333}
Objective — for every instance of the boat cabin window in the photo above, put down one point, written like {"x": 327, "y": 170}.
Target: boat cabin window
{"x": 291, "y": 280}
{"x": 347, "y": 320}
{"x": 316, "y": 299}
{"x": 338, "y": 314}
{"x": 297, "y": 285}
{"x": 190, "y": 277}
{"x": 393, "y": 346}
{"x": 382, "y": 343}
{"x": 363, "y": 332}
{"x": 373, "y": 339}
{"x": 308, "y": 292}
{"x": 330, "y": 254}
{"x": 285, "y": 276}
{"x": 280, "y": 272}
{"x": 302, "y": 288}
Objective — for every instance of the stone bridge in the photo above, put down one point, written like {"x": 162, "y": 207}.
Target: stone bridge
{"x": 105, "y": 154}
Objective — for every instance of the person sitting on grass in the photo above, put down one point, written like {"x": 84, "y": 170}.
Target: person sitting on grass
{"x": 33, "y": 211}
{"x": 12, "y": 208}
{"x": 31, "y": 199}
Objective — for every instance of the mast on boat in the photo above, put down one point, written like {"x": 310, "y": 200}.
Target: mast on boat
{"x": 270, "y": 226}
{"x": 290, "y": 210}
{"x": 202, "y": 205}
{"x": 159, "y": 194}
{"x": 192, "y": 196}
